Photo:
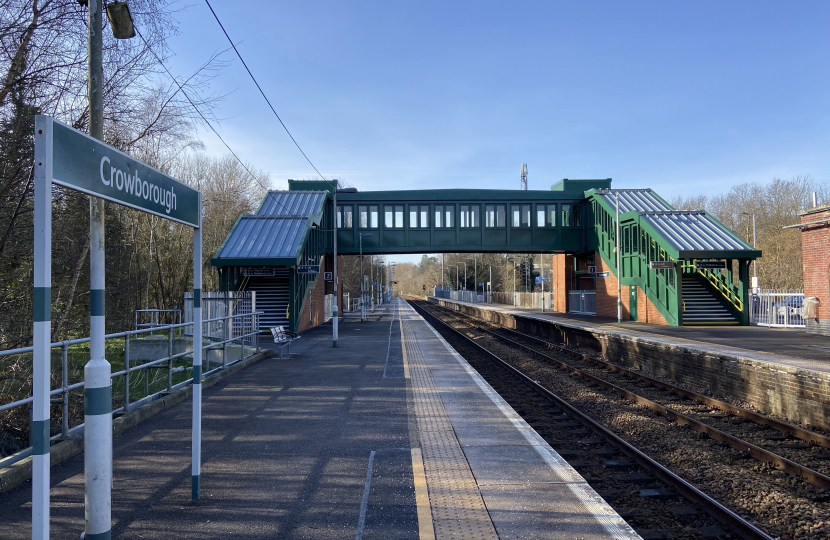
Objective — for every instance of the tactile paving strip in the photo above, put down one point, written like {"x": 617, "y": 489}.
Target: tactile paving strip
{"x": 458, "y": 510}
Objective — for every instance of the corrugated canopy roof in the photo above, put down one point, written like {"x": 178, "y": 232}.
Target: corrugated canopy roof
{"x": 293, "y": 203}
{"x": 265, "y": 237}
{"x": 641, "y": 200}
{"x": 693, "y": 231}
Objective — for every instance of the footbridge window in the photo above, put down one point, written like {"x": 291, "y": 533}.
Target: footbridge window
{"x": 571, "y": 215}
{"x": 566, "y": 215}
{"x": 367, "y": 216}
{"x": 444, "y": 216}
{"x": 393, "y": 216}
{"x": 418, "y": 216}
{"x": 494, "y": 215}
{"x": 344, "y": 216}
{"x": 521, "y": 215}
{"x": 546, "y": 215}
{"x": 469, "y": 216}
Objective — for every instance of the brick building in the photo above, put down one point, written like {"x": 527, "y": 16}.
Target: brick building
{"x": 815, "y": 247}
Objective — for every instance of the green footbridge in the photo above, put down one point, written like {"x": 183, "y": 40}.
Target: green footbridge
{"x": 577, "y": 217}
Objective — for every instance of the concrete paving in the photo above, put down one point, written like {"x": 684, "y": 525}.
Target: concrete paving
{"x": 286, "y": 450}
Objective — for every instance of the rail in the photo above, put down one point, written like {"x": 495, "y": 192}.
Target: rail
{"x": 239, "y": 332}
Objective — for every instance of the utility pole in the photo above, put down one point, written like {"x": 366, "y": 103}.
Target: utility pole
{"x": 97, "y": 372}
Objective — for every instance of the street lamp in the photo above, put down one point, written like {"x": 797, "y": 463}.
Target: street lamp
{"x": 457, "y": 283}
{"x": 491, "y": 281}
{"x": 362, "y": 279}
{"x": 755, "y": 262}
{"x": 513, "y": 260}
{"x": 335, "y": 278}
{"x": 465, "y": 274}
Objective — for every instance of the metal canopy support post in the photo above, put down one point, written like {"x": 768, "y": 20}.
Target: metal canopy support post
{"x": 42, "y": 328}
{"x": 196, "y": 467}
{"x": 97, "y": 381}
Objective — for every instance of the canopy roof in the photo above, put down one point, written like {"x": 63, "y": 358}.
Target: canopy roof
{"x": 277, "y": 233}
{"x": 639, "y": 200}
{"x": 694, "y": 231}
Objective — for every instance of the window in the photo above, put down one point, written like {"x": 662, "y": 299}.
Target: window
{"x": 344, "y": 217}
{"x": 634, "y": 234}
{"x": 449, "y": 212}
{"x": 521, "y": 215}
{"x": 363, "y": 217}
{"x": 418, "y": 216}
{"x": 393, "y": 216}
{"x": 545, "y": 215}
{"x": 566, "y": 215}
{"x": 373, "y": 216}
{"x": 469, "y": 216}
{"x": 577, "y": 215}
{"x": 494, "y": 215}
{"x": 439, "y": 216}
{"x": 627, "y": 240}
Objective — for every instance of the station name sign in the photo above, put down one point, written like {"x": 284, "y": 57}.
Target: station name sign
{"x": 710, "y": 264}
{"x": 661, "y": 264}
{"x": 308, "y": 268}
{"x": 258, "y": 272}
{"x": 86, "y": 164}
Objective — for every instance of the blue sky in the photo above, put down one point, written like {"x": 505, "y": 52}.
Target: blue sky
{"x": 683, "y": 97}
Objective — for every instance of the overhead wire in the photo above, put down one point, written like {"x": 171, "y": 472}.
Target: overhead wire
{"x": 215, "y": 16}
{"x": 205, "y": 120}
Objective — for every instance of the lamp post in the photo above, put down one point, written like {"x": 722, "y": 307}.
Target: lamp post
{"x": 457, "y": 282}
{"x": 490, "y": 282}
{"x": 362, "y": 279}
{"x": 513, "y": 262}
{"x": 335, "y": 277}
{"x": 755, "y": 262}
{"x": 465, "y": 274}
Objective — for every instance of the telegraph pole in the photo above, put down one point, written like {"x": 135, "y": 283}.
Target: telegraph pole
{"x": 97, "y": 381}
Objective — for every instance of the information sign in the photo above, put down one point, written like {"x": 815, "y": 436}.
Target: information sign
{"x": 328, "y": 276}
{"x": 308, "y": 268}
{"x": 592, "y": 269}
{"x": 540, "y": 278}
{"x": 88, "y": 165}
{"x": 710, "y": 264}
{"x": 603, "y": 274}
{"x": 258, "y": 272}
{"x": 661, "y": 264}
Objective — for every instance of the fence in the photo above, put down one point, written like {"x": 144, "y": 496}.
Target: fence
{"x": 156, "y": 347}
{"x": 584, "y": 302}
{"x": 520, "y": 299}
{"x": 781, "y": 309}
{"x": 217, "y": 305}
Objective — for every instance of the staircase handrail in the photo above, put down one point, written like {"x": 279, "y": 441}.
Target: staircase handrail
{"x": 727, "y": 290}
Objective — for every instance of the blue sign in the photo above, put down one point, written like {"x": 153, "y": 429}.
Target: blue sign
{"x": 374, "y": 283}
{"x": 481, "y": 284}
{"x": 308, "y": 268}
{"x": 540, "y": 278}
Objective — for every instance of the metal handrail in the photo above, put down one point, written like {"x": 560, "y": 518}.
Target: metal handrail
{"x": 65, "y": 388}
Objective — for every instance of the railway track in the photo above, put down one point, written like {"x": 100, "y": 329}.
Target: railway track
{"x": 539, "y": 362}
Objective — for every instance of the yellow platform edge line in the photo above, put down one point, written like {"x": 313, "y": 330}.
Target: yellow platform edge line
{"x": 426, "y": 530}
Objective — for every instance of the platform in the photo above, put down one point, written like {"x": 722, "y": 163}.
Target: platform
{"x": 390, "y": 436}
{"x": 785, "y": 346}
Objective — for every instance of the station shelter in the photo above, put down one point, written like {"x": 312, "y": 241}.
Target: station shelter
{"x": 574, "y": 223}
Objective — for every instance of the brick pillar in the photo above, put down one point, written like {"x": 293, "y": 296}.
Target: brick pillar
{"x": 815, "y": 250}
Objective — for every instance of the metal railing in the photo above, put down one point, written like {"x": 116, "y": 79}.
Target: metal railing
{"x": 239, "y": 333}
{"x": 583, "y": 302}
{"x": 520, "y": 299}
{"x": 782, "y": 309}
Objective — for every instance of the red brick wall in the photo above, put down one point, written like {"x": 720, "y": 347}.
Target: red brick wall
{"x": 561, "y": 280}
{"x": 316, "y": 303}
{"x": 815, "y": 247}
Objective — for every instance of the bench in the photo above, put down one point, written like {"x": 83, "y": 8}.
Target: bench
{"x": 283, "y": 338}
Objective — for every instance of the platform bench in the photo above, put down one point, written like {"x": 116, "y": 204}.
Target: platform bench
{"x": 283, "y": 338}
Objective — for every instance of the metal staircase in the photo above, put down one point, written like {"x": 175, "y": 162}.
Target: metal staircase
{"x": 702, "y": 307}
{"x": 272, "y": 297}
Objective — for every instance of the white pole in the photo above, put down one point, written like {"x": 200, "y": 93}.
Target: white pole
{"x": 97, "y": 381}
{"x": 196, "y": 457}
{"x": 619, "y": 262}
{"x": 42, "y": 328}
{"x": 334, "y": 277}
{"x": 542, "y": 265}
